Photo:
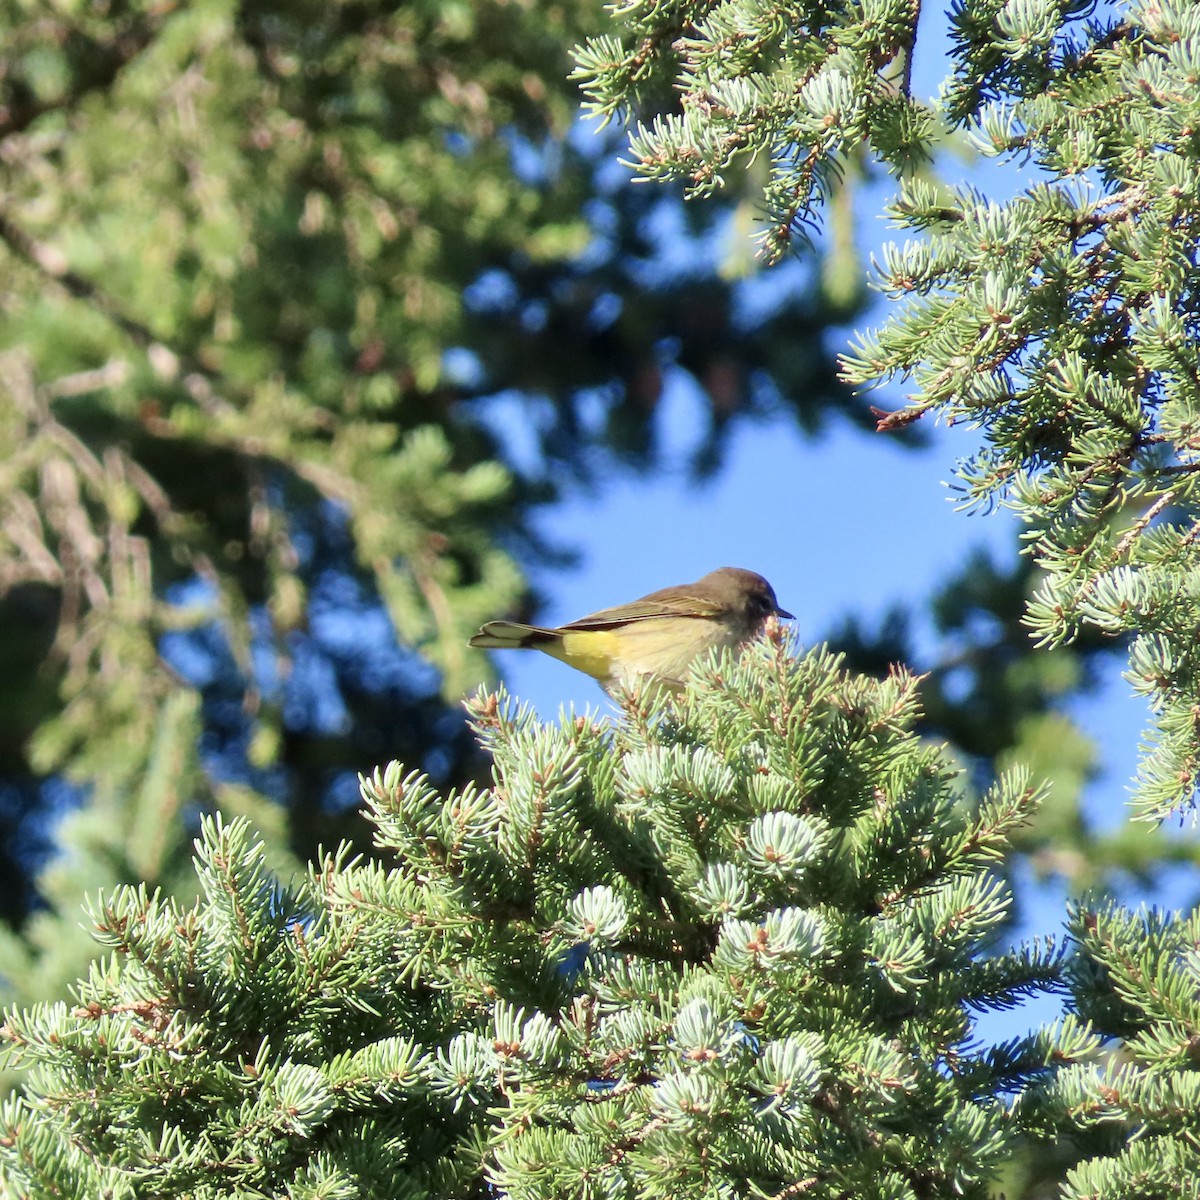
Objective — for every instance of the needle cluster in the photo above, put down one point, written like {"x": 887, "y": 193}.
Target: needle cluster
{"x": 731, "y": 944}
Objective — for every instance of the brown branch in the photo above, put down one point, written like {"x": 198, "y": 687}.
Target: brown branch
{"x": 1135, "y": 530}
{"x": 886, "y": 421}
{"x": 911, "y": 49}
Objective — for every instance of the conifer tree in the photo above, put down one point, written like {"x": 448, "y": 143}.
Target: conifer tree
{"x": 1062, "y": 323}
{"x": 733, "y": 944}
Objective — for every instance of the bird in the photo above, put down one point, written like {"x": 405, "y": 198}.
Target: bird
{"x": 653, "y": 639}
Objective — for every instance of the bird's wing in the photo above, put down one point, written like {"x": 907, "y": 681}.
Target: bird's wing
{"x": 670, "y": 602}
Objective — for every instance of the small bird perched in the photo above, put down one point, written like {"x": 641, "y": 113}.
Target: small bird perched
{"x": 655, "y": 638}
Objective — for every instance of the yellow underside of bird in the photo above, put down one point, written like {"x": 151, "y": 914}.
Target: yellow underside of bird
{"x": 661, "y": 648}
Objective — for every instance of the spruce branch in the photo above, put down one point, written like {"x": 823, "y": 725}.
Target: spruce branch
{"x": 1060, "y": 323}
{"x": 730, "y": 939}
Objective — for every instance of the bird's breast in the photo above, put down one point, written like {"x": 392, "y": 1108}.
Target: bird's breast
{"x": 661, "y": 648}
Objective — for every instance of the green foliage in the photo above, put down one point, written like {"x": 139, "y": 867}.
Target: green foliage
{"x": 306, "y": 307}
{"x": 142, "y": 839}
{"x": 235, "y": 241}
{"x": 244, "y": 312}
{"x": 1001, "y": 702}
{"x": 729, "y": 945}
{"x": 1061, "y": 323}
{"x": 733, "y": 944}
{"x": 798, "y": 85}
{"x": 1136, "y": 976}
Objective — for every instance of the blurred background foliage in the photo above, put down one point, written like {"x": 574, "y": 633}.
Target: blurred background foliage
{"x": 307, "y": 310}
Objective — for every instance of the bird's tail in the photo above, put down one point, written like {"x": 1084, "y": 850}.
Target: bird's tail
{"x": 511, "y": 635}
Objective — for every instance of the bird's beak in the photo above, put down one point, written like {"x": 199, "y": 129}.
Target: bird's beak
{"x": 787, "y": 616}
